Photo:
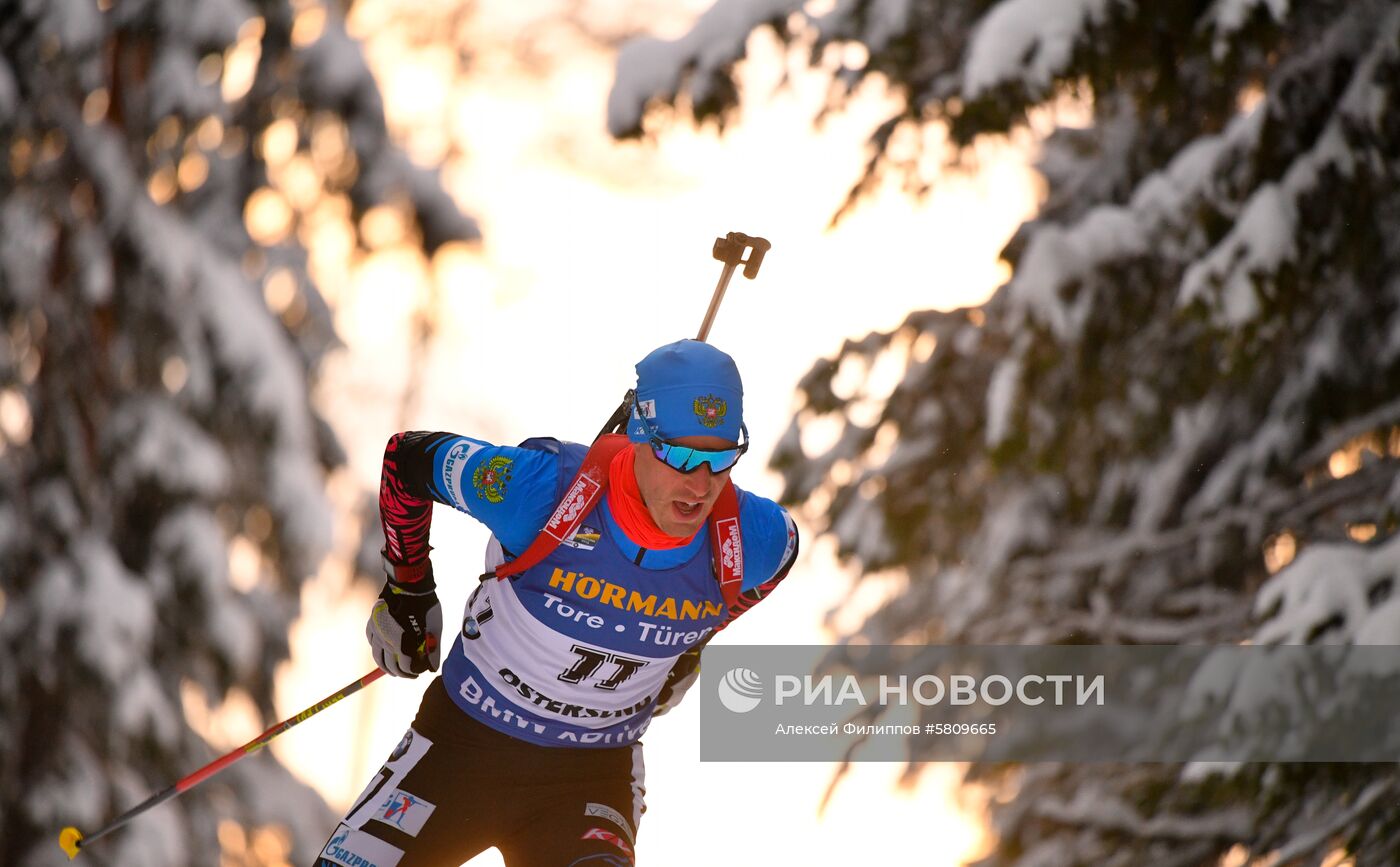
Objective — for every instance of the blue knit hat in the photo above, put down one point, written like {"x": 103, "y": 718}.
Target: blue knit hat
{"x": 688, "y": 388}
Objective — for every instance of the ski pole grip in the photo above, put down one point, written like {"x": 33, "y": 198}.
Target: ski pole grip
{"x": 758, "y": 246}
{"x": 727, "y": 250}
{"x": 730, "y": 250}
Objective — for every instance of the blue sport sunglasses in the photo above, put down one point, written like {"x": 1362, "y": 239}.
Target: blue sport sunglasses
{"x": 686, "y": 459}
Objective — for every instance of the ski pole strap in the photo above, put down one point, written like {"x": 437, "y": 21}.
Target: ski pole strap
{"x": 580, "y": 497}
{"x": 727, "y": 545}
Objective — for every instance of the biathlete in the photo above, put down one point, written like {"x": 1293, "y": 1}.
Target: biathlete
{"x": 609, "y": 568}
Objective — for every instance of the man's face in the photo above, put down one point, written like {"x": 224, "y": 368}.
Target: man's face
{"x": 679, "y": 502}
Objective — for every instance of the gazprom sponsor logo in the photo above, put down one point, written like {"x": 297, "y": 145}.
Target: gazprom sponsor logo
{"x": 357, "y": 849}
{"x": 454, "y": 465}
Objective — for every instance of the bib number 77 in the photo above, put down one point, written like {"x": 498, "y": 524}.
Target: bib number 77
{"x": 590, "y": 660}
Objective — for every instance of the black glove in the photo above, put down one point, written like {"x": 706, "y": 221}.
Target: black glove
{"x": 405, "y": 625}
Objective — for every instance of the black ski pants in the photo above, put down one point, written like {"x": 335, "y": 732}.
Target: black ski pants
{"x": 454, "y": 787}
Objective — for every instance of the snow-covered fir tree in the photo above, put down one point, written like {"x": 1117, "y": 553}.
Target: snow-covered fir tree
{"x": 1177, "y": 422}
{"x": 159, "y": 339}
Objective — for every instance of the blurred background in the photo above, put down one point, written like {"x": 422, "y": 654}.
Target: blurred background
{"x": 1080, "y": 326}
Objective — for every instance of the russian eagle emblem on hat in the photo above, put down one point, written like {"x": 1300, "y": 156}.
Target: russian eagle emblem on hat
{"x": 710, "y": 410}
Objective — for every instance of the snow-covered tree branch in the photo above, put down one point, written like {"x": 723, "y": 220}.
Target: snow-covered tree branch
{"x": 160, "y": 335}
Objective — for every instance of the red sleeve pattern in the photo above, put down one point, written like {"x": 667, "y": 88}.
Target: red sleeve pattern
{"x": 405, "y": 507}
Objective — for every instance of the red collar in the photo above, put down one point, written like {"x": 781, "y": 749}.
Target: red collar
{"x": 630, "y": 510}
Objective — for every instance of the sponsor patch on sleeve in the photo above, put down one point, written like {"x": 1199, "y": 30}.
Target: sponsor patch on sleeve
{"x": 358, "y": 849}
{"x": 454, "y": 465}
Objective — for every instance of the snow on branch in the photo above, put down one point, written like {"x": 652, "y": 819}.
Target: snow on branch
{"x": 1242, "y": 269}
{"x": 649, "y": 68}
{"x": 1336, "y": 592}
{"x": 1029, "y": 42}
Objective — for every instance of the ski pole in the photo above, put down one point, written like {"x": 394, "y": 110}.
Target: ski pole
{"x": 71, "y": 839}
{"x": 730, "y": 250}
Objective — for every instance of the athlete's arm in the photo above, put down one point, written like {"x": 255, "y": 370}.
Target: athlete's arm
{"x": 683, "y": 674}
{"x": 770, "y": 549}
{"x": 509, "y": 489}
{"x": 770, "y": 545}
